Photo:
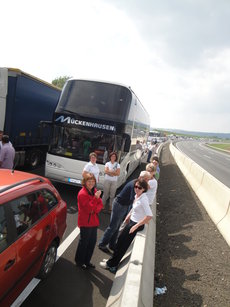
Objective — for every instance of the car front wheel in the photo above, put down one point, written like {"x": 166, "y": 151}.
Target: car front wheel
{"x": 49, "y": 261}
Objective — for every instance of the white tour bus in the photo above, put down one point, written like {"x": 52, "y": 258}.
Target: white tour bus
{"x": 100, "y": 117}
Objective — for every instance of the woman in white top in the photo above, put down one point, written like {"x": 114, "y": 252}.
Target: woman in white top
{"x": 112, "y": 171}
{"x": 151, "y": 193}
{"x": 91, "y": 167}
{"x": 135, "y": 220}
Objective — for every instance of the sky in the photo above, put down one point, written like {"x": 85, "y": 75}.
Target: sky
{"x": 175, "y": 54}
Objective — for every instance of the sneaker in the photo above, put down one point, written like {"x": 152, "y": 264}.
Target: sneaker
{"x": 104, "y": 249}
{"x": 104, "y": 265}
{"x": 83, "y": 266}
{"x": 113, "y": 269}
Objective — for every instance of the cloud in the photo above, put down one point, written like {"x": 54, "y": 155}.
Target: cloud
{"x": 174, "y": 54}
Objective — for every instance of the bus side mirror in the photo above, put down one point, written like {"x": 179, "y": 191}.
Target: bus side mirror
{"x": 127, "y": 144}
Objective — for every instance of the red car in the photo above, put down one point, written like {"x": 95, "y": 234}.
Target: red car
{"x": 32, "y": 223}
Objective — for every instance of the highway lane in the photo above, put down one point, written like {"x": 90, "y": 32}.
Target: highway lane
{"x": 214, "y": 162}
{"x": 68, "y": 285}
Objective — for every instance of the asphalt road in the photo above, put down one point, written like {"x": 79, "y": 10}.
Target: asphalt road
{"x": 68, "y": 285}
{"x": 214, "y": 162}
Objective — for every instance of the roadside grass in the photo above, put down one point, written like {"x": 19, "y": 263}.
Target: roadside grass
{"x": 222, "y": 146}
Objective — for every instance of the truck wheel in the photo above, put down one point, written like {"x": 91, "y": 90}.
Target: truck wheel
{"x": 48, "y": 262}
{"x": 34, "y": 158}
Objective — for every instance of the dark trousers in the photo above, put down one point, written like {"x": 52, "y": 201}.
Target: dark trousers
{"x": 123, "y": 243}
{"x": 86, "y": 244}
{"x": 149, "y": 156}
{"x": 118, "y": 214}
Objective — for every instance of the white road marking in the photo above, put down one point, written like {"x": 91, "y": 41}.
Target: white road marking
{"x": 65, "y": 244}
{"x": 35, "y": 281}
{"x": 207, "y": 156}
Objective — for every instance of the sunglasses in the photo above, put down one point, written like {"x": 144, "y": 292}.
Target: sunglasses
{"x": 138, "y": 187}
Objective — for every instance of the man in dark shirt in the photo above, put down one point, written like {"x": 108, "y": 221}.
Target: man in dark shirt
{"x": 121, "y": 206}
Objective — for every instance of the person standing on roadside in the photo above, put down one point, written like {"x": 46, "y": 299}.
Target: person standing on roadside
{"x": 151, "y": 193}
{"x": 121, "y": 206}
{"x": 7, "y": 153}
{"x": 155, "y": 161}
{"x": 1, "y": 135}
{"x": 151, "y": 151}
{"x": 89, "y": 205}
{"x": 140, "y": 215}
{"x": 112, "y": 171}
{"x": 91, "y": 167}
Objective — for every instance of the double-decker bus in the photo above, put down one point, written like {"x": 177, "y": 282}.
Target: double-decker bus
{"x": 100, "y": 117}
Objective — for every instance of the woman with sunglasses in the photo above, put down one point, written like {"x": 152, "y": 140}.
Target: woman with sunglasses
{"x": 139, "y": 215}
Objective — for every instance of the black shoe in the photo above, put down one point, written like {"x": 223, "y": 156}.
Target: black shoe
{"x": 104, "y": 249}
{"x": 84, "y": 266}
{"x": 90, "y": 266}
{"x": 80, "y": 265}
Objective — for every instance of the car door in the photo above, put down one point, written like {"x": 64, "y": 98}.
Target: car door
{"x": 8, "y": 268}
{"x": 33, "y": 235}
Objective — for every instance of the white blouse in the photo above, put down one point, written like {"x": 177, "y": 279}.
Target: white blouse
{"x": 141, "y": 208}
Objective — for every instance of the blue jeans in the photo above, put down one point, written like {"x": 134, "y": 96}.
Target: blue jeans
{"x": 118, "y": 214}
{"x": 149, "y": 156}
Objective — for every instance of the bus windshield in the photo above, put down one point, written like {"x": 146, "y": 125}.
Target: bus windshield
{"x": 95, "y": 100}
{"x": 77, "y": 143}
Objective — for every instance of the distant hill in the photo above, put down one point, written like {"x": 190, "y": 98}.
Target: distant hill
{"x": 200, "y": 134}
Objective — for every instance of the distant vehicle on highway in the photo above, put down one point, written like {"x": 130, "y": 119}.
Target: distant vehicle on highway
{"x": 96, "y": 116}
{"x": 32, "y": 223}
{"x": 153, "y": 135}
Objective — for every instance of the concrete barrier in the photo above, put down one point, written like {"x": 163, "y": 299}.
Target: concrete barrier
{"x": 133, "y": 285}
{"x": 213, "y": 194}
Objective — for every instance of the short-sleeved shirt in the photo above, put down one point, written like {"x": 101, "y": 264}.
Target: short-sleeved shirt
{"x": 112, "y": 167}
{"x": 1, "y": 144}
{"x": 141, "y": 208}
{"x": 151, "y": 193}
{"x": 93, "y": 169}
{"x": 7, "y": 155}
